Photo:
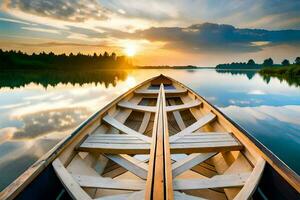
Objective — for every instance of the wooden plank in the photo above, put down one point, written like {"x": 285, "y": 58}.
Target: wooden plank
{"x": 115, "y": 123}
{"x": 170, "y": 91}
{"x": 158, "y": 190}
{"x": 204, "y": 140}
{"x": 189, "y": 162}
{"x": 183, "y": 196}
{"x": 205, "y": 147}
{"x": 116, "y": 141}
{"x": 72, "y": 187}
{"x": 127, "y": 196}
{"x": 218, "y": 181}
{"x": 231, "y": 165}
{"x": 179, "y": 120}
{"x": 192, "y": 104}
{"x": 145, "y": 122}
{"x": 159, "y": 180}
{"x": 129, "y": 105}
{"x": 78, "y": 165}
{"x": 167, "y": 154}
{"x": 133, "y": 165}
{"x": 177, "y": 116}
{"x": 195, "y": 126}
{"x": 252, "y": 182}
{"x": 112, "y": 136}
{"x": 151, "y": 174}
{"x": 115, "y": 148}
{"x": 108, "y": 183}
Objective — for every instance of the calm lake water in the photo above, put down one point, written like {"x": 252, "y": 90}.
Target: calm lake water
{"x": 39, "y": 109}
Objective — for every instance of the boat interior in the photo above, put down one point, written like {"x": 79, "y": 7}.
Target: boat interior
{"x": 160, "y": 140}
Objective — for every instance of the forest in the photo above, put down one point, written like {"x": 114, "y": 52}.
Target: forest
{"x": 45, "y": 61}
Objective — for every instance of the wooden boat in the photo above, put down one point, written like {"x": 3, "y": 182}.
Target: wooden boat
{"x": 159, "y": 140}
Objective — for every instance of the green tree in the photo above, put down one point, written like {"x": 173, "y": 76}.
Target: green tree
{"x": 297, "y": 61}
{"x": 268, "y": 62}
{"x": 251, "y": 62}
{"x": 106, "y": 54}
{"x": 285, "y": 62}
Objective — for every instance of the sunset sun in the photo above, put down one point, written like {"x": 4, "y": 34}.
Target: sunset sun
{"x": 130, "y": 49}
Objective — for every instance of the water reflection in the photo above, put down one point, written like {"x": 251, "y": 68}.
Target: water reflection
{"x": 44, "y": 122}
{"x": 45, "y": 78}
{"x": 292, "y": 81}
{"x": 276, "y": 127}
{"x": 249, "y": 73}
{"x": 38, "y": 109}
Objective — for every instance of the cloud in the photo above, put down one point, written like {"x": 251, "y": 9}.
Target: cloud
{"x": 68, "y": 10}
{"x": 15, "y": 21}
{"x": 62, "y": 44}
{"x": 209, "y": 37}
{"x": 45, "y": 30}
{"x": 151, "y": 10}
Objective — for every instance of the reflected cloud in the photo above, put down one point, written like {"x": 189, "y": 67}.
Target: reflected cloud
{"x": 232, "y": 101}
{"x": 277, "y": 128}
{"x": 44, "y": 122}
{"x": 7, "y": 133}
{"x": 257, "y": 92}
{"x": 289, "y": 114}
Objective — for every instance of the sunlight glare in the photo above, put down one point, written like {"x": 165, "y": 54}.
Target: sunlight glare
{"x": 130, "y": 49}
{"x": 130, "y": 81}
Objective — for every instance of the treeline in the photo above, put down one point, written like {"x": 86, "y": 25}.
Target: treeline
{"x": 19, "y": 60}
{"x": 252, "y": 65}
{"x": 286, "y": 71}
{"x": 239, "y": 65}
{"x": 168, "y": 67}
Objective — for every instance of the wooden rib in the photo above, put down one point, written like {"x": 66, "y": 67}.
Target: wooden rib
{"x": 195, "y": 126}
{"x": 72, "y": 187}
{"x": 133, "y": 165}
{"x": 115, "y": 123}
{"x": 252, "y": 182}
{"x": 145, "y": 122}
{"x": 108, "y": 183}
{"x": 218, "y": 181}
{"x": 126, "y": 104}
{"x": 183, "y": 106}
{"x": 179, "y": 120}
{"x": 177, "y": 116}
{"x": 189, "y": 162}
{"x": 85, "y": 167}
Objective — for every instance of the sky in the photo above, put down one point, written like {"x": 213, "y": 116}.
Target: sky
{"x": 177, "y": 32}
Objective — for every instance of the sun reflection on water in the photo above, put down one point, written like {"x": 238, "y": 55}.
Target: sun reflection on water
{"x": 130, "y": 81}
